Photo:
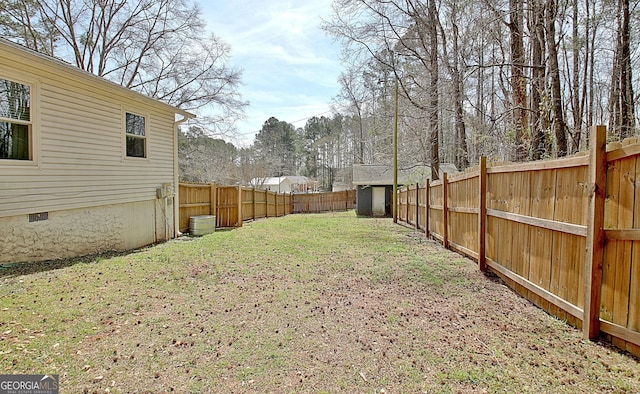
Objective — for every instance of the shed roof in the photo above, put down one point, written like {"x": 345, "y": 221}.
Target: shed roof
{"x": 382, "y": 174}
{"x": 79, "y": 73}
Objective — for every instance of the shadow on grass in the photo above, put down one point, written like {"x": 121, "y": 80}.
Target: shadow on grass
{"x": 11, "y": 270}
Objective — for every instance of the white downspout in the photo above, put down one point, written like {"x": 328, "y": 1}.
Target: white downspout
{"x": 176, "y": 184}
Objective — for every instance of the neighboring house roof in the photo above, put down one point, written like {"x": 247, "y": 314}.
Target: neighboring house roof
{"x": 291, "y": 179}
{"x": 299, "y": 179}
{"x": 81, "y": 74}
{"x": 382, "y": 174}
{"x": 267, "y": 181}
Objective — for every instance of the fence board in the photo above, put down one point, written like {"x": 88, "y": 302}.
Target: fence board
{"x": 623, "y": 260}
{"x": 422, "y": 205}
{"x": 610, "y": 221}
{"x": 634, "y": 293}
{"x": 401, "y": 204}
{"x": 435, "y": 209}
{"x": 482, "y": 214}
{"x": 617, "y": 303}
{"x": 464, "y": 210}
{"x": 260, "y": 203}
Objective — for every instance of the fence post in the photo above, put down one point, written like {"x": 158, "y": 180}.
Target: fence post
{"x": 239, "y": 206}
{"x": 445, "y": 212}
{"x": 426, "y": 209}
{"x": 277, "y": 204}
{"x": 417, "y": 206}
{"x": 482, "y": 215}
{"x": 213, "y": 206}
{"x": 406, "y": 199}
{"x": 253, "y": 192}
{"x": 595, "y": 232}
{"x": 213, "y": 201}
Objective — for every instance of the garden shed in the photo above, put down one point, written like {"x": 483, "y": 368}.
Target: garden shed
{"x": 85, "y": 165}
{"x": 374, "y": 184}
{"x": 285, "y": 184}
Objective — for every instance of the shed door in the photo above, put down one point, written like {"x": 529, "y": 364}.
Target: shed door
{"x": 378, "y": 201}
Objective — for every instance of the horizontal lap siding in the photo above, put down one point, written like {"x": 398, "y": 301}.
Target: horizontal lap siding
{"x": 81, "y": 145}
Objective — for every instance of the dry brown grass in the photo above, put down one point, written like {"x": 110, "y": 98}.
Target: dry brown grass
{"x": 305, "y": 303}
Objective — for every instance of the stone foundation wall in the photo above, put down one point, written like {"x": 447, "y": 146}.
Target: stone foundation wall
{"x": 79, "y": 232}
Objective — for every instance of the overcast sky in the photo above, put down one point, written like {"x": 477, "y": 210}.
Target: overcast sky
{"x": 290, "y": 65}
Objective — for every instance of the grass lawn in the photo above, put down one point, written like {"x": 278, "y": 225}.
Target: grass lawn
{"x": 305, "y": 303}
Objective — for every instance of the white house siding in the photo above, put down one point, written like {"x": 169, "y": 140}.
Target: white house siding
{"x": 81, "y": 165}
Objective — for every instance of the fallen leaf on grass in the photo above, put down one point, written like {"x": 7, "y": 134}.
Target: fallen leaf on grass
{"x": 363, "y": 377}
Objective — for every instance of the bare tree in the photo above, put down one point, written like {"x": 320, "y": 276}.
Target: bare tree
{"x": 205, "y": 159}
{"x": 454, "y": 64}
{"x": 354, "y": 93}
{"x": 517, "y": 79}
{"x": 558, "y": 123}
{"x": 518, "y": 82}
{"x": 156, "y": 47}
{"x": 621, "y": 102}
{"x": 536, "y": 26}
{"x": 402, "y": 38}
{"x": 432, "y": 20}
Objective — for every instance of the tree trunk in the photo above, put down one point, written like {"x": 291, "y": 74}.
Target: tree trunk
{"x": 592, "y": 45}
{"x": 627, "y": 117}
{"x": 453, "y": 63}
{"x": 518, "y": 82}
{"x": 587, "y": 74}
{"x": 538, "y": 143}
{"x": 462, "y": 152}
{"x": 559, "y": 126}
{"x": 577, "y": 101}
{"x": 433, "y": 91}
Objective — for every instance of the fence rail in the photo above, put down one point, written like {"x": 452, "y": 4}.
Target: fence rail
{"x": 232, "y": 205}
{"x": 563, "y": 233}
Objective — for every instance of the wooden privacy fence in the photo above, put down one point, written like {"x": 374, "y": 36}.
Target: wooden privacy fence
{"x": 324, "y": 202}
{"x": 233, "y": 205}
{"x": 563, "y": 233}
{"x": 230, "y": 204}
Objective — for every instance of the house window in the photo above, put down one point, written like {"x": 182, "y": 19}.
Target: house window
{"x": 15, "y": 121}
{"x": 136, "y": 135}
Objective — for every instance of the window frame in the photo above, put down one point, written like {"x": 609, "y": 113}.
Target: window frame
{"x": 33, "y": 123}
{"x": 126, "y": 134}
